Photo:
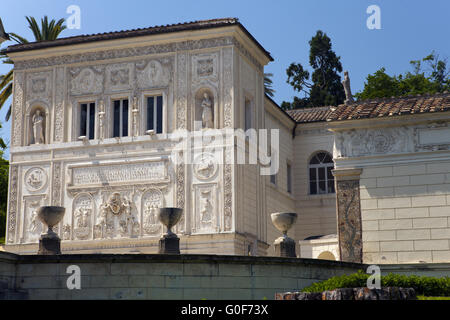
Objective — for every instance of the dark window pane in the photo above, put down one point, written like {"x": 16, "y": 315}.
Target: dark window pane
{"x": 273, "y": 178}
{"x": 314, "y": 160}
{"x": 92, "y": 121}
{"x": 312, "y": 187}
{"x": 83, "y": 119}
{"x": 330, "y": 186}
{"x": 312, "y": 174}
{"x": 327, "y": 159}
{"x": 125, "y": 118}
{"x": 322, "y": 186}
{"x": 329, "y": 173}
{"x": 150, "y": 112}
{"x": 321, "y": 173}
{"x": 159, "y": 104}
{"x": 116, "y": 118}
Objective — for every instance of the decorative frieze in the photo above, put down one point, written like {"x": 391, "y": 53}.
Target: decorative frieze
{"x": 12, "y": 207}
{"x": 228, "y": 87}
{"x": 366, "y": 142}
{"x": 155, "y": 171}
{"x": 17, "y": 109}
{"x": 59, "y": 105}
{"x": 181, "y": 101}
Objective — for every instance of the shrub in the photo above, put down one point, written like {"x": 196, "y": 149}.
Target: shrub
{"x": 426, "y": 286}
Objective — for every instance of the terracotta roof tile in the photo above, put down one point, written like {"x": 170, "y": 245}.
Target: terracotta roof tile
{"x": 390, "y": 107}
{"x": 187, "y": 26}
{"x": 304, "y": 115}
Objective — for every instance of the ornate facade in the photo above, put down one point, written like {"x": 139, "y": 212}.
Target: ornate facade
{"x": 92, "y": 124}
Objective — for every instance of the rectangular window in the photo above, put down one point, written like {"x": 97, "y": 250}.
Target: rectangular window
{"x": 289, "y": 178}
{"x": 248, "y": 114}
{"x": 273, "y": 179}
{"x": 155, "y": 113}
{"x": 120, "y": 121}
{"x": 87, "y": 120}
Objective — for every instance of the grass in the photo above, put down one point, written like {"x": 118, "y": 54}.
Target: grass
{"x": 2, "y": 240}
{"x": 432, "y": 298}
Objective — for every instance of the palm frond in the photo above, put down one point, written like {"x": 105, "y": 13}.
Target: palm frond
{"x": 8, "y": 113}
{"x": 5, "y": 94}
{"x": 17, "y": 38}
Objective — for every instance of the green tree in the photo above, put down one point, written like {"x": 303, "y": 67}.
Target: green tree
{"x": 49, "y": 30}
{"x": 325, "y": 86}
{"x": 429, "y": 75}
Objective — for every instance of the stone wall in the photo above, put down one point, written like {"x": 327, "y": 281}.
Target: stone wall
{"x": 164, "y": 277}
{"x": 406, "y": 212}
{"x": 317, "y": 213}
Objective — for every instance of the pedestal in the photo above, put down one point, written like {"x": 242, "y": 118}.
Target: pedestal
{"x": 169, "y": 244}
{"x": 285, "y": 247}
{"x": 49, "y": 245}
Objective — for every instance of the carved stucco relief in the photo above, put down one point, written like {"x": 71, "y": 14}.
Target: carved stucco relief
{"x": 228, "y": 87}
{"x": 228, "y": 191}
{"x": 12, "y": 208}
{"x": 57, "y": 184}
{"x": 349, "y": 220}
{"x": 119, "y": 77}
{"x": 17, "y": 112}
{"x": 151, "y": 200}
{"x": 154, "y": 73}
{"x": 181, "y": 102}
{"x": 39, "y": 86}
{"x": 366, "y": 142}
{"x": 137, "y": 51}
{"x": 35, "y": 179}
{"x": 87, "y": 80}
{"x": 59, "y": 105}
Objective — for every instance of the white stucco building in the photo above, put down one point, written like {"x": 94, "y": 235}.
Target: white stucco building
{"x": 91, "y": 124}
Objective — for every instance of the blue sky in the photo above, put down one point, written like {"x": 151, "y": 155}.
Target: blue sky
{"x": 410, "y": 29}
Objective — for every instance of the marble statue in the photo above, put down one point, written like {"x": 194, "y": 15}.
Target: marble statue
{"x": 347, "y": 89}
{"x": 207, "y": 114}
{"x": 38, "y": 128}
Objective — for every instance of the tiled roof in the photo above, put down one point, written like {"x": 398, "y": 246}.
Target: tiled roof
{"x": 187, "y": 26}
{"x": 310, "y": 114}
{"x": 388, "y": 107}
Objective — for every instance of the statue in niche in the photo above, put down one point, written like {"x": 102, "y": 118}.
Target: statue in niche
{"x": 82, "y": 216}
{"x": 38, "y": 128}
{"x": 34, "y": 224}
{"x": 207, "y": 113}
{"x": 347, "y": 89}
{"x": 205, "y": 213}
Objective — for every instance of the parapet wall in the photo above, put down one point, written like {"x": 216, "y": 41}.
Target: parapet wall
{"x": 143, "y": 276}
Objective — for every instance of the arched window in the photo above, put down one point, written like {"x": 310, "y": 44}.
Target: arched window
{"x": 321, "y": 179}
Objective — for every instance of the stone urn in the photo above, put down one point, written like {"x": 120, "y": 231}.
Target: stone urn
{"x": 283, "y": 221}
{"x": 50, "y": 243}
{"x": 169, "y": 242}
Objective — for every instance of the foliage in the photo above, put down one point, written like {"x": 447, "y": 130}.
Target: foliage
{"x": 268, "y": 89}
{"x": 49, "y": 30}
{"x": 325, "y": 87}
{"x": 4, "y": 168}
{"x": 433, "y": 78}
{"x": 427, "y": 286}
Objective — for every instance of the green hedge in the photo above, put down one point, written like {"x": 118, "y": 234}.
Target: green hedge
{"x": 426, "y": 286}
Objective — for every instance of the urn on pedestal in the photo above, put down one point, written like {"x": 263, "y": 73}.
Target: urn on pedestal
{"x": 169, "y": 242}
{"x": 49, "y": 242}
{"x": 283, "y": 221}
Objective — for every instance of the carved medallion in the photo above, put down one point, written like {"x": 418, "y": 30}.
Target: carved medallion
{"x": 205, "y": 166}
{"x": 35, "y": 179}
